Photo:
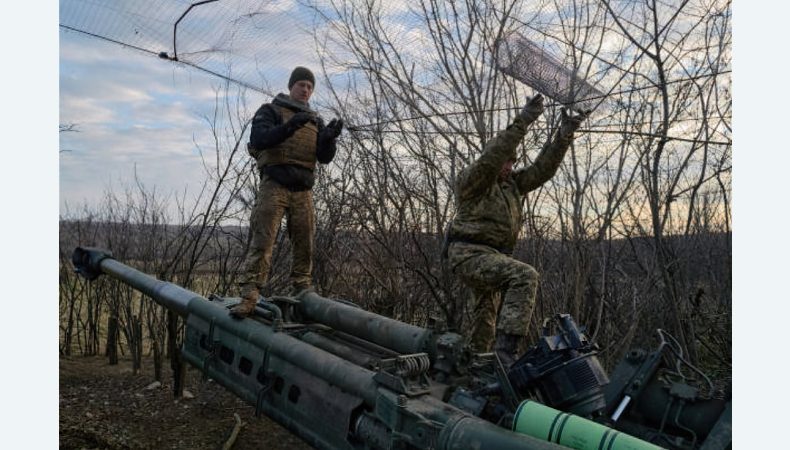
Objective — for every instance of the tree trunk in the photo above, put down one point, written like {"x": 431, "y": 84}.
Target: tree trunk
{"x": 176, "y": 363}
{"x": 112, "y": 340}
{"x": 157, "y": 361}
{"x": 136, "y": 346}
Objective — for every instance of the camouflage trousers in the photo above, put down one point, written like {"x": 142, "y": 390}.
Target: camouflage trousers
{"x": 488, "y": 272}
{"x": 272, "y": 202}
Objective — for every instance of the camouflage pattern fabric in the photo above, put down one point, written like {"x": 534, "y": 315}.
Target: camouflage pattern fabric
{"x": 272, "y": 202}
{"x": 485, "y": 230}
{"x": 488, "y": 272}
{"x": 489, "y": 210}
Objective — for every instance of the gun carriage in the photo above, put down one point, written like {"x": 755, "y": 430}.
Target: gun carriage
{"x": 341, "y": 377}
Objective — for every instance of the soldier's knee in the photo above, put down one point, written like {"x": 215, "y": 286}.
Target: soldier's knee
{"x": 525, "y": 275}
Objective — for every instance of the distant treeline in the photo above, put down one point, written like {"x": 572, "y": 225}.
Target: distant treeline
{"x": 612, "y": 287}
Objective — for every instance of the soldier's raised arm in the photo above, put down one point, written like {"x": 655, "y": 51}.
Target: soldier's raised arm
{"x": 550, "y": 157}
{"x": 483, "y": 172}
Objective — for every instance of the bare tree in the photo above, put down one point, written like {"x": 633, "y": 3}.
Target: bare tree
{"x": 415, "y": 122}
{"x": 423, "y": 97}
{"x": 200, "y": 249}
{"x": 673, "y": 40}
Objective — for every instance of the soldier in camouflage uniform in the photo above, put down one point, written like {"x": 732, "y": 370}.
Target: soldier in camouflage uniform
{"x": 489, "y": 198}
{"x": 287, "y": 139}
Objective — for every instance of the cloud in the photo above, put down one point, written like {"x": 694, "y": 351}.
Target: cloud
{"x": 135, "y": 114}
{"x": 88, "y": 111}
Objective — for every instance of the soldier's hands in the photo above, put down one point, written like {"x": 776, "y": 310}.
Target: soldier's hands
{"x": 571, "y": 123}
{"x": 252, "y": 150}
{"x": 533, "y": 109}
{"x": 332, "y": 130}
{"x": 298, "y": 120}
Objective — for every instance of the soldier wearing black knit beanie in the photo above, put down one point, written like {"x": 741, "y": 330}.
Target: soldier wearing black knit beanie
{"x": 287, "y": 140}
{"x": 299, "y": 74}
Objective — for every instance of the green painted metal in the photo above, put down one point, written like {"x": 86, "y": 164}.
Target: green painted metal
{"x": 543, "y": 422}
{"x": 389, "y": 333}
{"x": 318, "y": 395}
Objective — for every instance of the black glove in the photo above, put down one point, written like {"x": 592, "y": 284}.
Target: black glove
{"x": 252, "y": 150}
{"x": 297, "y": 121}
{"x": 569, "y": 124}
{"x": 331, "y": 131}
{"x": 533, "y": 109}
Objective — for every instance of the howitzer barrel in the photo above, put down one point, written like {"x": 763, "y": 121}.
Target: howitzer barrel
{"x": 92, "y": 262}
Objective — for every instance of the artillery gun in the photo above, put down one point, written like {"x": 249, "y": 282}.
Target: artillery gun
{"x": 341, "y": 377}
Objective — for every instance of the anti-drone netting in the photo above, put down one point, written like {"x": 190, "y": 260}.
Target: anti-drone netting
{"x": 240, "y": 39}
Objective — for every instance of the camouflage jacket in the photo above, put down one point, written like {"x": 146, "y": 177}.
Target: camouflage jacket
{"x": 489, "y": 210}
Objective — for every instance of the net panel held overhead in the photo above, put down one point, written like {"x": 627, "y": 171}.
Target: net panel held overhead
{"x": 527, "y": 62}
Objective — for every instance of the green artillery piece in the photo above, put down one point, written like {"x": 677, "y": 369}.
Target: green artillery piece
{"x": 341, "y": 377}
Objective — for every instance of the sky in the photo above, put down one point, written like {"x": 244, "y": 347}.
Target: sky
{"x": 131, "y": 112}
{"x": 134, "y": 109}
{"x": 137, "y": 115}
{"x": 141, "y": 118}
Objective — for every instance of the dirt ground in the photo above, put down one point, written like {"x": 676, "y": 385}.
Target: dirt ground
{"x": 107, "y": 407}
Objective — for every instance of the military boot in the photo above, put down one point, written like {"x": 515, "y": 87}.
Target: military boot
{"x": 506, "y": 348}
{"x": 248, "y": 301}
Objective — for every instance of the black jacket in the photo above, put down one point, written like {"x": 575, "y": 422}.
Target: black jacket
{"x": 269, "y": 130}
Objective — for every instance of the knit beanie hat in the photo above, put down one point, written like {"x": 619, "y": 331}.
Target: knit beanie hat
{"x": 301, "y": 73}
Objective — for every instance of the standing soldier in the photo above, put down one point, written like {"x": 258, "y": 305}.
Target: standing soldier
{"x": 489, "y": 199}
{"x": 286, "y": 140}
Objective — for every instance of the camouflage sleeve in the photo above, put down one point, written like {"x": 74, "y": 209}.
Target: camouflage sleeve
{"x": 267, "y": 128}
{"x": 483, "y": 172}
{"x": 545, "y": 165}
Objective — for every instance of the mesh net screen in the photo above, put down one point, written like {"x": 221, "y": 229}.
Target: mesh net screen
{"x": 240, "y": 39}
{"x": 527, "y": 62}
